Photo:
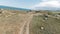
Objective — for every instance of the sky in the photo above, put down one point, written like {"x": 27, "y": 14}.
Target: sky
{"x": 49, "y": 4}
{"x": 19, "y": 3}
{"x": 31, "y": 3}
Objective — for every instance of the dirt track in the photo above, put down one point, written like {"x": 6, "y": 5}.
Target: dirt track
{"x": 25, "y": 27}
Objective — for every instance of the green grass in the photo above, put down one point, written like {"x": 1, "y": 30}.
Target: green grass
{"x": 51, "y": 26}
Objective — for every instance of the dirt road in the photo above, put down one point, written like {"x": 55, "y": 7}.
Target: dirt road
{"x": 25, "y": 28}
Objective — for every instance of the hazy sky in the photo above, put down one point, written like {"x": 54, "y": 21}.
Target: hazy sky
{"x": 19, "y": 3}
{"x": 48, "y": 3}
{"x": 31, "y": 3}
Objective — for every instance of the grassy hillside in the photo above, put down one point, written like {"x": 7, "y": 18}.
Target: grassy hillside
{"x": 11, "y": 21}
{"x": 41, "y": 26}
{"x": 16, "y": 21}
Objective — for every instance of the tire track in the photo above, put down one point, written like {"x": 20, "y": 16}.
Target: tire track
{"x": 26, "y": 24}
